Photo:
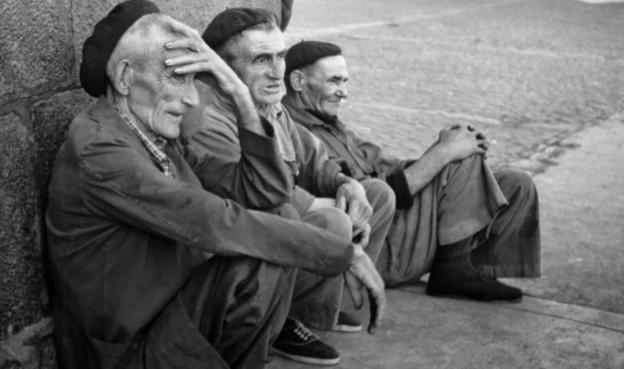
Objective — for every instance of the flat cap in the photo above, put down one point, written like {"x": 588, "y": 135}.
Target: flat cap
{"x": 98, "y": 48}
{"x": 307, "y": 53}
{"x": 233, "y": 21}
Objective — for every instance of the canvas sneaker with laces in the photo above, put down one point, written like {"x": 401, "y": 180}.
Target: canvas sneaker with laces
{"x": 298, "y": 343}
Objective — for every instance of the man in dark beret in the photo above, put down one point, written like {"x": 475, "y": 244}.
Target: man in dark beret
{"x": 149, "y": 269}
{"x": 455, "y": 219}
{"x": 230, "y": 162}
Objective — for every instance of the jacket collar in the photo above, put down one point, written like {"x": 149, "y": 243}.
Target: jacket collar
{"x": 306, "y": 117}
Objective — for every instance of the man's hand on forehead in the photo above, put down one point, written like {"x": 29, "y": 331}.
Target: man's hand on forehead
{"x": 197, "y": 57}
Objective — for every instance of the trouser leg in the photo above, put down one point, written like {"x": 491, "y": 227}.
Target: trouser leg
{"x": 461, "y": 200}
{"x": 239, "y": 305}
{"x": 469, "y": 200}
{"x": 382, "y": 199}
{"x": 317, "y": 300}
{"x": 513, "y": 246}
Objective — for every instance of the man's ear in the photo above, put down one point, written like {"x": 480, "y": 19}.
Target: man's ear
{"x": 122, "y": 77}
{"x": 297, "y": 80}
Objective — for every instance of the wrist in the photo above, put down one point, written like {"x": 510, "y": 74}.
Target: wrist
{"x": 442, "y": 154}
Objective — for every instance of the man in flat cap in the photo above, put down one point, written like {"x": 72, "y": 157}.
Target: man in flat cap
{"x": 454, "y": 217}
{"x": 149, "y": 269}
{"x": 231, "y": 163}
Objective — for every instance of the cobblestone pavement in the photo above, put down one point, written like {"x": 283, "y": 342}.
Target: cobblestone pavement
{"x": 529, "y": 73}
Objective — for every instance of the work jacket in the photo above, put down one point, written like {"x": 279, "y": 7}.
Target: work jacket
{"x": 233, "y": 167}
{"x": 123, "y": 237}
{"x": 357, "y": 158}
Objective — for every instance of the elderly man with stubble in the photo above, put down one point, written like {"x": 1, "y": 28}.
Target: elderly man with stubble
{"x": 455, "y": 218}
{"x": 149, "y": 269}
{"x": 230, "y": 162}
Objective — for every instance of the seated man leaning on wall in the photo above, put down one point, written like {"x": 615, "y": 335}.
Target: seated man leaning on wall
{"x": 149, "y": 269}
{"x": 453, "y": 214}
{"x": 237, "y": 164}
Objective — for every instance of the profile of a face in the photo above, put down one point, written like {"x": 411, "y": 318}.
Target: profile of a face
{"x": 156, "y": 96}
{"x": 324, "y": 85}
{"x": 260, "y": 64}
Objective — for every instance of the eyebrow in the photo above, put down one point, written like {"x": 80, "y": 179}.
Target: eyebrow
{"x": 270, "y": 54}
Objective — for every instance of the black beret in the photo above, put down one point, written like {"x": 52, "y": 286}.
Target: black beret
{"x": 307, "y": 53}
{"x": 233, "y": 21}
{"x": 98, "y": 48}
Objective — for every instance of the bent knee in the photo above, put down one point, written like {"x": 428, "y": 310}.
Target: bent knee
{"x": 515, "y": 181}
{"x": 380, "y": 195}
{"x": 333, "y": 220}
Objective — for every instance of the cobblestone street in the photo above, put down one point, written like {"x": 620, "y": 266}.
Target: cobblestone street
{"x": 530, "y": 73}
{"x": 545, "y": 81}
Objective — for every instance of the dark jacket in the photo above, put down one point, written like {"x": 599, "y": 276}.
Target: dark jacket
{"x": 358, "y": 158}
{"x": 123, "y": 237}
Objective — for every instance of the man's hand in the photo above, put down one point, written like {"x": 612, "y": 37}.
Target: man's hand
{"x": 200, "y": 58}
{"x": 460, "y": 141}
{"x": 362, "y": 273}
{"x": 351, "y": 198}
{"x": 361, "y": 237}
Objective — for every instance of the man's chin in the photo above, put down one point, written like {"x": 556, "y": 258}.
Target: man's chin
{"x": 269, "y": 99}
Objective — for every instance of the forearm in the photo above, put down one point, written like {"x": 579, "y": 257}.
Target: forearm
{"x": 245, "y": 110}
{"x": 421, "y": 172}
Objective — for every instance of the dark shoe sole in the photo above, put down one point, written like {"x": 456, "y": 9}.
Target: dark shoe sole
{"x": 308, "y": 360}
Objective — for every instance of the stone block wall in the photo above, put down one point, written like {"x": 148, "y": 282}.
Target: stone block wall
{"x": 40, "y": 52}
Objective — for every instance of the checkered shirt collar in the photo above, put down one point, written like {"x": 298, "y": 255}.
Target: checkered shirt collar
{"x": 154, "y": 148}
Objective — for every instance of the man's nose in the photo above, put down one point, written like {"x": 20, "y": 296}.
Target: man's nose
{"x": 342, "y": 91}
{"x": 190, "y": 96}
{"x": 277, "y": 69}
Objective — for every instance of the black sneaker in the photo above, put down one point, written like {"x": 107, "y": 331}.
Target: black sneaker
{"x": 298, "y": 343}
{"x": 347, "y": 324}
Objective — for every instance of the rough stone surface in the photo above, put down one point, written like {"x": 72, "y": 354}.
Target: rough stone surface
{"x": 196, "y": 13}
{"x": 51, "y": 118}
{"x": 36, "y": 53}
{"x": 32, "y": 348}
{"x": 20, "y": 263}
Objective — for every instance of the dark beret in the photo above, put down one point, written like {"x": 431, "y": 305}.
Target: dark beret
{"x": 233, "y": 21}
{"x": 98, "y": 48}
{"x": 307, "y": 53}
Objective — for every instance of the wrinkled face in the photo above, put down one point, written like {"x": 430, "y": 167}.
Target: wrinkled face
{"x": 325, "y": 85}
{"x": 157, "y": 97}
{"x": 260, "y": 64}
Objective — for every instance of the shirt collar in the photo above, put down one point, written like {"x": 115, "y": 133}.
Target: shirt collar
{"x": 156, "y": 148}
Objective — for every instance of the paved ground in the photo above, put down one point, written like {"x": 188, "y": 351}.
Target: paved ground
{"x": 545, "y": 80}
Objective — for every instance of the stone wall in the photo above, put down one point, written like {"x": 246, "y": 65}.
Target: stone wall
{"x": 40, "y": 92}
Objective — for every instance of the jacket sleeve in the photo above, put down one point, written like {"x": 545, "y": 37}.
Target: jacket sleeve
{"x": 121, "y": 184}
{"x": 242, "y": 166}
{"x": 317, "y": 173}
{"x": 386, "y": 168}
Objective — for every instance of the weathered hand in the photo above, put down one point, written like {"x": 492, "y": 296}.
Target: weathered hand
{"x": 461, "y": 141}
{"x": 351, "y": 198}
{"x": 362, "y": 236}
{"x": 200, "y": 58}
{"x": 362, "y": 273}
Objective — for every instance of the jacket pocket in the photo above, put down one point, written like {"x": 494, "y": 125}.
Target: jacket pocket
{"x": 112, "y": 355}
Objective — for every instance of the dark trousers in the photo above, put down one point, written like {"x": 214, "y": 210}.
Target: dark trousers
{"x": 225, "y": 317}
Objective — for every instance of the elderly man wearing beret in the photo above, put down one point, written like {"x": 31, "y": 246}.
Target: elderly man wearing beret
{"x": 234, "y": 164}
{"x": 149, "y": 269}
{"x": 454, "y": 217}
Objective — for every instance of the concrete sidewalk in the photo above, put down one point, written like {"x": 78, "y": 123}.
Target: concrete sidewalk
{"x": 582, "y": 202}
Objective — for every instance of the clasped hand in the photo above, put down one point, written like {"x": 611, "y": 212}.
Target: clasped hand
{"x": 351, "y": 198}
{"x": 461, "y": 141}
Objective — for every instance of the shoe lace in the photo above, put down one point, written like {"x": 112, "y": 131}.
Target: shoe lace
{"x": 304, "y": 333}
